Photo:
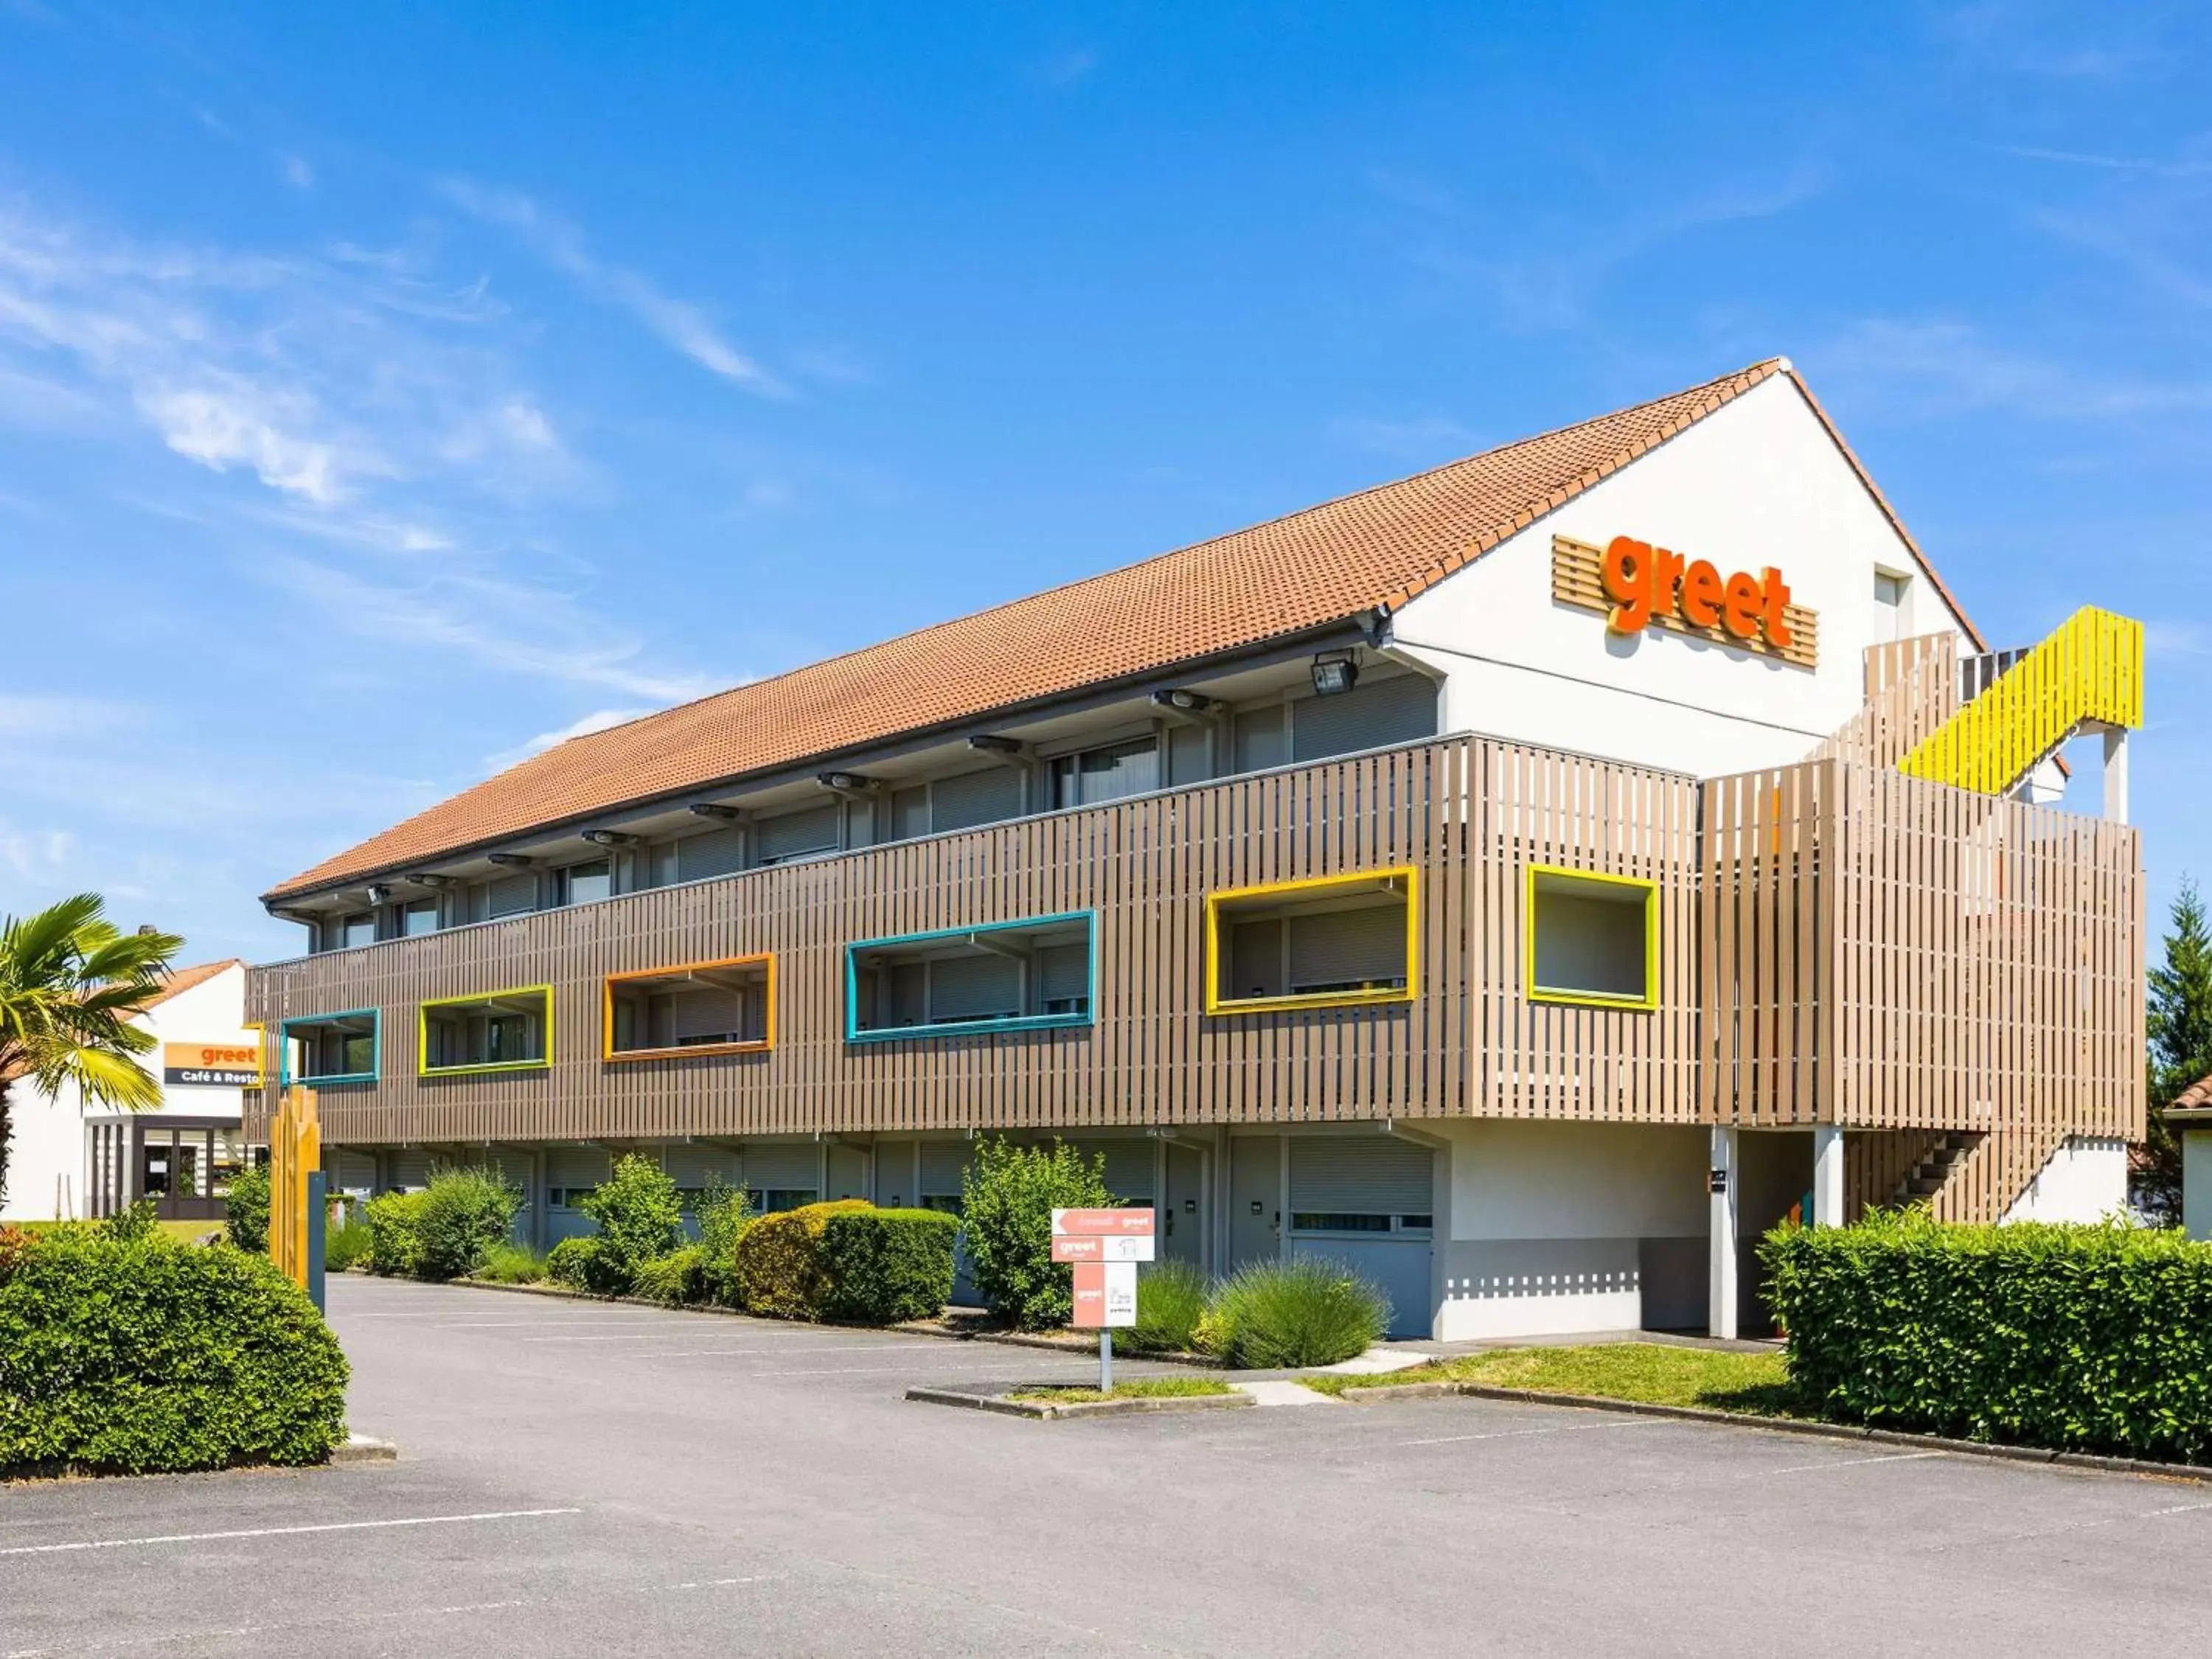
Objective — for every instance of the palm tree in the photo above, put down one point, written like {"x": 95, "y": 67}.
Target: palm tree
{"x": 70, "y": 982}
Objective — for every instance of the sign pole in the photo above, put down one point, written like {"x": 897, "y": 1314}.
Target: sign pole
{"x": 1105, "y": 1360}
{"x": 318, "y": 1188}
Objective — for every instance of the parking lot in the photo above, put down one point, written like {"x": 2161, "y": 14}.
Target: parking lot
{"x": 601, "y": 1479}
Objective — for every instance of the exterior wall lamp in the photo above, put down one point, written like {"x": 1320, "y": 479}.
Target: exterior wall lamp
{"x": 510, "y": 861}
{"x": 1335, "y": 672}
{"x": 710, "y": 809}
{"x": 609, "y": 838}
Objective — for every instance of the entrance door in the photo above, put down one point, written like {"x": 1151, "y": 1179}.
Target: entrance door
{"x": 1255, "y": 1199}
{"x": 1183, "y": 1207}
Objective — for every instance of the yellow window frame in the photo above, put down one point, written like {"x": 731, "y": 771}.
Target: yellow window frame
{"x": 422, "y": 1067}
{"x": 764, "y": 960}
{"x": 1536, "y": 993}
{"x": 1218, "y": 1005}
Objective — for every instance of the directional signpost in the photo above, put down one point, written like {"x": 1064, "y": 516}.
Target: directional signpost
{"x": 1105, "y": 1247}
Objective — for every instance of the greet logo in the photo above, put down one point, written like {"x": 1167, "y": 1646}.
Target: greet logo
{"x": 1647, "y": 583}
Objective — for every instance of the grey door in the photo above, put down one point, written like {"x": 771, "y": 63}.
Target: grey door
{"x": 1255, "y": 1199}
{"x": 1363, "y": 1201}
{"x": 1183, "y": 1207}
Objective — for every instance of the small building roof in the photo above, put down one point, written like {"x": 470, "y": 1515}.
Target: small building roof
{"x": 181, "y": 979}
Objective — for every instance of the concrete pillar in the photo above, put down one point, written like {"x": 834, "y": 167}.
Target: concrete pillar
{"x": 2116, "y": 774}
{"x": 1721, "y": 1309}
{"x": 1827, "y": 1176}
{"x": 2196, "y": 1182}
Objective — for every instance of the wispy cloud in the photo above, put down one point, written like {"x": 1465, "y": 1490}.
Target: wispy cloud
{"x": 2142, "y": 166}
{"x": 297, "y": 172}
{"x": 599, "y": 719}
{"x": 561, "y": 244}
{"x": 1922, "y": 369}
{"x": 1431, "y": 438}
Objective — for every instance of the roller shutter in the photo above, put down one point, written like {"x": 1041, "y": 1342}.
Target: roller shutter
{"x": 943, "y": 1163}
{"x": 910, "y": 812}
{"x": 795, "y": 835}
{"x": 1063, "y": 974}
{"x": 510, "y": 895}
{"x": 895, "y": 1188}
{"x": 1128, "y": 1166}
{"x": 1369, "y": 716}
{"x": 410, "y": 1171}
{"x": 351, "y": 1172}
{"x": 1190, "y": 754}
{"x": 975, "y": 988}
{"x": 580, "y": 1167}
{"x": 713, "y": 1015}
{"x": 1371, "y": 1175}
{"x": 717, "y": 852}
{"x": 691, "y": 1167}
{"x": 1347, "y": 947}
{"x": 1260, "y": 740}
{"x": 786, "y": 1166}
{"x": 975, "y": 797}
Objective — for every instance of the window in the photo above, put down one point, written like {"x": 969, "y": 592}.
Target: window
{"x": 1891, "y": 595}
{"x": 1019, "y": 976}
{"x": 812, "y": 834}
{"x": 1107, "y": 774}
{"x": 357, "y": 930}
{"x": 1592, "y": 938}
{"x": 1331, "y": 941}
{"x": 496, "y": 1031}
{"x": 506, "y": 896}
{"x": 419, "y": 916}
{"x": 698, "y": 1008}
{"x": 1373, "y": 714}
{"x": 772, "y": 1199}
{"x": 581, "y": 884}
{"x": 330, "y": 1048}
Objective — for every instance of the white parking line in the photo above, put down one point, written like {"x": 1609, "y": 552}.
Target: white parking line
{"x": 773, "y": 1347}
{"x": 281, "y": 1532}
{"x": 1845, "y": 1463}
{"x": 1516, "y": 1434}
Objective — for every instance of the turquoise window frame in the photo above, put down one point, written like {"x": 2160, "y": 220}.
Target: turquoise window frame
{"x": 970, "y": 1027}
{"x": 284, "y": 1077}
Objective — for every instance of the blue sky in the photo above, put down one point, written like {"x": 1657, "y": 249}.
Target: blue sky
{"x": 383, "y": 395}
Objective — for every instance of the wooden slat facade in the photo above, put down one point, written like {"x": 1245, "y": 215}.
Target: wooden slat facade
{"x": 1837, "y": 944}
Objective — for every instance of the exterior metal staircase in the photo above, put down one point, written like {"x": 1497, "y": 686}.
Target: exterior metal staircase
{"x": 2019, "y": 708}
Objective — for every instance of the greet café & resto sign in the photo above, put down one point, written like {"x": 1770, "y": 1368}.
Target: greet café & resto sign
{"x": 216, "y": 1064}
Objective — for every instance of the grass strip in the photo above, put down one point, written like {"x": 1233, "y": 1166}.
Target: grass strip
{"x": 1648, "y": 1372}
{"x": 1142, "y": 1388}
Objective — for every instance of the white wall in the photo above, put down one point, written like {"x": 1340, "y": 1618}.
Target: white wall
{"x": 47, "y": 1169}
{"x": 1758, "y": 483}
{"x": 1552, "y": 1227}
{"x": 2197, "y": 1182}
{"x": 2085, "y": 1180}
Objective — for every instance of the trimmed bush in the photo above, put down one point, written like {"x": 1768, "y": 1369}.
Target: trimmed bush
{"x": 884, "y": 1266}
{"x": 1008, "y": 1195}
{"x": 346, "y": 1246}
{"x": 2079, "y": 1338}
{"x": 395, "y": 1233}
{"x": 511, "y": 1264}
{"x": 674, "y": 1280}
{"x": 1171, "y": 1300}
{"x": 583, "y": 1264}
{"x": 639, "y": 1217}
{"x": 463, "y": 1214}
{"x": 780, "y": 1268}
{"x": 1281, "y": 1314}
{"x": 144, "y": 1356}
{"x": 246, "y": 1209}
{"x": 724, "y": 1214}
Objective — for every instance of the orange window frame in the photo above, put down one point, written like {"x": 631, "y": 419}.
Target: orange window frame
{"x": 763, "y": 960}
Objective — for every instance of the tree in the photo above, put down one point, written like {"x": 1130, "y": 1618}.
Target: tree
{"x": 70, "y": 982}
{"x": 2180, "y": 1026}
{"x": 1008, "y": 1195}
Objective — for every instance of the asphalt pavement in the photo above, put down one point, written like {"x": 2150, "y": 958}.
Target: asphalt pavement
{"x": 585, "y": 1478}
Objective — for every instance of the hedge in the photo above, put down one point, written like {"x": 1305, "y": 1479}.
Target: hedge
{"x": 148, "y": 1357}
{"x": 395, "y": 1233}
{"x": 884, "y": 1267}
{"x": 2077, "y": 1338}
{"x": 779, "y": 1267}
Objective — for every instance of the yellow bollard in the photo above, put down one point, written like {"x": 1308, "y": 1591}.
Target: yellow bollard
{"x": 295, "y": 1152}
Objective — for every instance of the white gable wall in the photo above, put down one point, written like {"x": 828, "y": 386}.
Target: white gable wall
{"x": 1758, "y": 482}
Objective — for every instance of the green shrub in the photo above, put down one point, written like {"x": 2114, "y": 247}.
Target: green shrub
{"x": 136, "y": 1221}
{"x": 780, "y": 1268}
{"x": 2088, "y": 1338}
{"x": 1009, "y": 1195}
{"x": 1281, "y": 1314}
{"x": 724, "y": 1214}
{"x": 674, "y": 1281}
{"x": 346, "y": 1245}
{"x": 464, "y": 1213}
{"x": 583, "y": 1264}
{"x": 139, "y": 1356}
{"x": 639, "y": 1217}
{"x": 246, "y": 1209}
{"x": 395, "y": 1233}
{"x": 510, "y": 1264}
{"x": 1171, "y": 1300}
{"x": 882, "y": 1267}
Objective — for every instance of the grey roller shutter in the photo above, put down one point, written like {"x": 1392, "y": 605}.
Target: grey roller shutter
{"x": 717, "y": 852}
{"x": 1348, "y": 947}
{"x": 797, "y": 834}
{"x": 975, "y": 798}
{"x": 578, "y": 1167}
{"x": 716, "y": 1015}
{"x": 410, "y": 1170}
{"x": 352, "y": 1172}
{"x": 788, "y": 1166}
{"x": 1128, "y": 1165}
{"x": 1063, "y": 973}
{"x": 1369, "y": 716}
{"x": 692, "y": 1167}
{"x": 910, "y": 812}
{"x": 1260, "y": 740}
{"x": 974, "y": 988}
{"x": 1369, "y": 1175}
{"x": 510, "y": 895}
{"x": 1190, "y": 754}
{"x": 943, "y": 1163}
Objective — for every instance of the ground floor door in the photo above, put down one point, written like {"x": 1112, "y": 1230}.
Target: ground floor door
{"x": 1365, "y": 1200}
{"x": 1255, "y": 1200}
{"x": 1183, "y": 1207}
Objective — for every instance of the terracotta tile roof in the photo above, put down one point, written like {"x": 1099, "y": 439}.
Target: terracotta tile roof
{"x": 182, "y": 979}
{"x": 1320, "y": 567}
{"x": 2195, "y": 1097}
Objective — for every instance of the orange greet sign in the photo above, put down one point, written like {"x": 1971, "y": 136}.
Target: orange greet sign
{"x": 1646, "y": 582}
{"x": 214, "y": 1065}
